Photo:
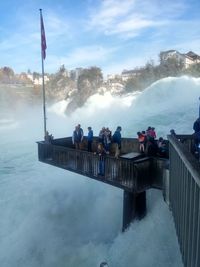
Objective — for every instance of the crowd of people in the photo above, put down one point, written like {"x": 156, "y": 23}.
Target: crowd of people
{"x": 48, "y": 137}
{"x": 149, "y": 145}
{"x": 105, "y": 138}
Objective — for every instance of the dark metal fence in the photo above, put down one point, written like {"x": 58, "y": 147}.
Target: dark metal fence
{"x": 134, "y": 176}
{"x": 128, "y": 144}
{"x": 184, "y": 197}
{"x": 188, "y": 141}
{"x": 141, "y": 174}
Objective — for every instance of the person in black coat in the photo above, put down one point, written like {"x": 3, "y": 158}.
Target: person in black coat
{"x": 90, "y": 139}
{"x": 196, "y": 125}
{"x": 117, "y": 141}
{"x": 196, "y": 128}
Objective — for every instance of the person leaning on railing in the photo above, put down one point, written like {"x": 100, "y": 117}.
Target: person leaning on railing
{"x": 101, "y": 152}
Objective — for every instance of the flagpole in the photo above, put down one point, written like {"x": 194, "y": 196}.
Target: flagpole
{"x": 44, "y": 99}
{"x": 199, "y": 108}
{"x": 43, "y": 55}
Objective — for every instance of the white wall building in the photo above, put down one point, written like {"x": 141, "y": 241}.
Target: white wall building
{"x": 127, "y": 74}
{"x": 37, "y": 81}
{"x": 186, "y": 59}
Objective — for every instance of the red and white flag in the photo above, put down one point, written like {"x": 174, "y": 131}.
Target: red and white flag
{"x": 43, "y": 38}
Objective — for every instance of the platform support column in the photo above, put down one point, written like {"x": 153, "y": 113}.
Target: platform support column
{"x": 134, "y": 206}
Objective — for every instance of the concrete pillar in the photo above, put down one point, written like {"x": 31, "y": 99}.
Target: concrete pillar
{"x": 128, "y": 209}
{"x": 166, "y": 186}
{"x": 134, "y": 206}
{"x": 141, "y": 208}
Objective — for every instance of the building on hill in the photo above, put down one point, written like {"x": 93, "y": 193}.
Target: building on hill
{"x": 186, "y": 59}
{"x": 37, "y": 80}
{"x": 113, "y": 77}
{"x": 194, "y": 56}
{"x": 128, "y": 74}
{"x": 74, "y": 74}
{"x": 116, "y": 87}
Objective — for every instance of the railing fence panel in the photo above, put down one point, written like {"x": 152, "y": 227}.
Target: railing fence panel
{"x": 185, "y": 200}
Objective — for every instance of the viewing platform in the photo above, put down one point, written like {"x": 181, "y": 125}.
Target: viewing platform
{"x": 178, "y": 177}
{"x": 132, "y": 171}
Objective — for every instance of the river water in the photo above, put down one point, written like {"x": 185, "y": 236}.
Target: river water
{"x": 54, "y": 218}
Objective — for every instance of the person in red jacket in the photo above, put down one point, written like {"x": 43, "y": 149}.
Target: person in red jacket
{"x": 141, "y": 139}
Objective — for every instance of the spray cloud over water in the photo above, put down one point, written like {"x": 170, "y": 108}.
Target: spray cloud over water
{"x": 166, "y": 104}
{"x": 51, "y": 217}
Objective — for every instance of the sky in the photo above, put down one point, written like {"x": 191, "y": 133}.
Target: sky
{"x": 111, "y": 34}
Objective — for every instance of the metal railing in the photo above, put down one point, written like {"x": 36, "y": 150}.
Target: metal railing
{"x": 134, "y": 176}
{"x": 188, "y": 141}
{"x": 139, "y": 175}
{"x": 184, "y": 198}
{"x": 128, "y": 144}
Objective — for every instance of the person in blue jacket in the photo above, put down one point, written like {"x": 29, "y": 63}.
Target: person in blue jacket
{"x": 117, "y": 141}
{"x": 90, "y": 139}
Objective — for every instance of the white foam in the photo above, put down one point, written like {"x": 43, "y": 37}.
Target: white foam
{"x": 51, "y": 217}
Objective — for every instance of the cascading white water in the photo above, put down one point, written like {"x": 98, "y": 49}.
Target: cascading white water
{"x": 51, "y": 217}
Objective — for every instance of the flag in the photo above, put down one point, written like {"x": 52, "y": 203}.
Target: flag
{"x": 43, "y": 38}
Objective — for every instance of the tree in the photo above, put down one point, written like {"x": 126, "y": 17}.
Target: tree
{"x": 132, "y": 84}
{"x": 172, "y": 67}
{"x": 62, "y": 69}
{"x": 59, "y": 85}
{"x": 193, "y": 70}
{"x": 7, "y": 75}
{"x": 91, "y": 77}
{"x": 36, "y": 75}
{"x": 8, "y": 72}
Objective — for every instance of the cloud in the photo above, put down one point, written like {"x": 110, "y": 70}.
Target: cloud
{"x": 87, "y": 55}
{"x": 105, "y": 33}
{"x": 57, "y": 26}
{"x": 128, "y": 63}
{"x": 132, "y": 26}
{"x": 130, "y": 17}
{"x": 109, "y": 11}
{"x": 20, "y": 46}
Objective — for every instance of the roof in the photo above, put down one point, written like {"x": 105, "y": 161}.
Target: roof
{"x": 169, "y": 51}
{"x": 192, "y": 55}
{"x": 130, "y": 71}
